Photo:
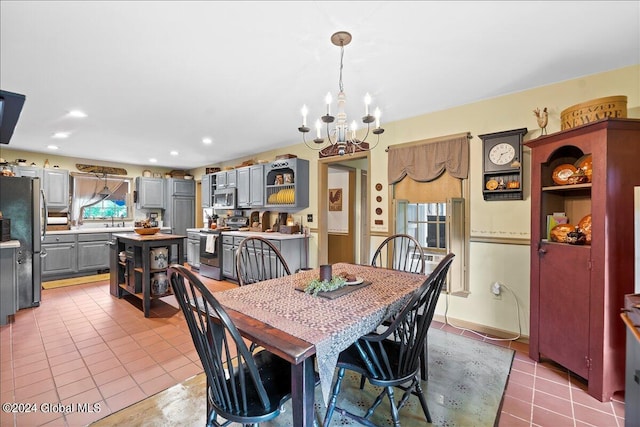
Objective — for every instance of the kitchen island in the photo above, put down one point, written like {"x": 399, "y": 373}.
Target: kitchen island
{"x": 132, "y": 273}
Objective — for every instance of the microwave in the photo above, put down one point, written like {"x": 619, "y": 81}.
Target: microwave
{"x": 224, "y": 198}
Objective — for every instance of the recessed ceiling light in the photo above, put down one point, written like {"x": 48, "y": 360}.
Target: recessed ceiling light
{"x": 52, "y": 147}
{"x": 174, "y": 153}
{"x": 153, "y": 160}
{"x": 77, "y": 113}
{"x": 207, "y": 140}
{"x": 60, "y": 135}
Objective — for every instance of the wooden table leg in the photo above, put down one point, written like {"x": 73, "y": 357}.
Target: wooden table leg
{"x": 146, "y": 280}
{"x": 302, "y": 387}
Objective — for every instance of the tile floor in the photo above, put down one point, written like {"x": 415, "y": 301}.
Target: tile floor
{"x": 84, "y": 354}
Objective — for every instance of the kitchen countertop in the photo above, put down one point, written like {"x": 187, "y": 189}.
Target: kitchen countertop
{"x": 99, "y": 230}
{"x": 273, "y": 236}
{"x": 10, "y": 244}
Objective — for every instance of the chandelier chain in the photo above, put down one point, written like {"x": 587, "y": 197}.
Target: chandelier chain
{"x": 341, "y": 56}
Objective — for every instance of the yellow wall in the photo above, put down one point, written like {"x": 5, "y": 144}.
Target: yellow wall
{"x": 490, "y": 261}
{"x": 507, "y": 263}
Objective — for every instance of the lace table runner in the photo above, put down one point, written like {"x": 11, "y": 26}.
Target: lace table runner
{"x": 331, "y": 325}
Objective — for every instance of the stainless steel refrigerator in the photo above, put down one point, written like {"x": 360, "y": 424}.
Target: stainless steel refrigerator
{"x": 22, "y": 201}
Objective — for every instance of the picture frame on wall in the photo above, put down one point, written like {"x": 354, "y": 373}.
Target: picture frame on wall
{"x": 335, "y": 199}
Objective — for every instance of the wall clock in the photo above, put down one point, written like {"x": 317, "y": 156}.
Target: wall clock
{"x": 502, "y": 164}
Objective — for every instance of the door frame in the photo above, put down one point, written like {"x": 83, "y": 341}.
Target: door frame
{"x": 323, "y": 198}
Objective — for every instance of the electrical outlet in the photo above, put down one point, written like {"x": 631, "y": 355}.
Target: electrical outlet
{"x": 309, "y": 217}
{"x": 496, "y": 290}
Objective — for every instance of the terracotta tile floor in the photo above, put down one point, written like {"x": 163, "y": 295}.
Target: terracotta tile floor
{"x": 84, "y": 354}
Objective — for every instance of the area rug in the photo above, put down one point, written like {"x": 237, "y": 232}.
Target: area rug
{"x": 466, "y": 384}
{"x": 61, "y": 283}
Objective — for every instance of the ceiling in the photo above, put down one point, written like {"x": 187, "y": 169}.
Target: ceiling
{"x": 157, "y": 76}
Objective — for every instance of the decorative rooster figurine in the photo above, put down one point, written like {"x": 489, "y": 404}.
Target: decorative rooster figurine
{"x": 543, "y": 118}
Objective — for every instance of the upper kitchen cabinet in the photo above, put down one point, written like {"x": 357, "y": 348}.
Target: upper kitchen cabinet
{"x": 226, "y": 179}
{"x": 32, "y": 171}
{"x": 55, "y": 183}
{"x": 150, "y": 193}
{"x": 287, "y": 184}
{"x": 250, "y": 183}
{"x": 207, "y": 188}
{"x": 181, "y": 187}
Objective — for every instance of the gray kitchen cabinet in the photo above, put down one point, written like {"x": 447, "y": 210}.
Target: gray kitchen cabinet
{"x": 250, "y": 184}
{"x": 181, "y": 187}
{"x": 226, "y": 179}
{"x": 206, "y": 189}
{"x": 8, "y": 283}
{"x": 193, "y": 249}
{"x": 150, "y": 193}
{"x": 180, "y": 207}
{"x": 293, "y": 251}
{"x": 55, "y": 183}
{"x": 32, "y": 171}
{"x": 93, "y": 251}
{"x": 60, "y": 255}
{"x": 229, "y": 247}
{"x": 287, "y": 184}
{"x": 243, "y": 184}
{"x": 256, "y": 185}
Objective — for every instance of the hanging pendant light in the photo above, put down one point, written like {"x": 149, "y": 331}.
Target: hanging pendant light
{"x": 105, "y": 192}
{"x": 342, "y": 137}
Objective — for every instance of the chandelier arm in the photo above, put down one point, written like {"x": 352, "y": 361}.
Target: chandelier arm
{"x": 317, "y": 148}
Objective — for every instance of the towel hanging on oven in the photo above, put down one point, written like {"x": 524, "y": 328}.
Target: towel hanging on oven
{"x": 211, "y": 244}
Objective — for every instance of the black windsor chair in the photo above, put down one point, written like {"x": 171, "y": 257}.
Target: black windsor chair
{"x": 257, "y": 259}
{"x": 242, "y": 387}
{"x": 400, "y": 252}
{"x": 391, "y": 358}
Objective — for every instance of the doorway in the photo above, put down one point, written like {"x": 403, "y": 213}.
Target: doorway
{"x": 357, "y": 234}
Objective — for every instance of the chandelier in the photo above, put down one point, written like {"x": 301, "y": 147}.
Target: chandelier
{"x": 342, "y": 137}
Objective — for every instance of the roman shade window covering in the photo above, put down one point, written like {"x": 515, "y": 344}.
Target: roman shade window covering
{"x": 426, "y": 160}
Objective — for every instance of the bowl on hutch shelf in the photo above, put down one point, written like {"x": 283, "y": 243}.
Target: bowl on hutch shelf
{"x": 146, "y": 230}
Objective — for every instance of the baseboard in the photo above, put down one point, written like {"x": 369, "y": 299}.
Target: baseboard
{"x": 483, "y": 329}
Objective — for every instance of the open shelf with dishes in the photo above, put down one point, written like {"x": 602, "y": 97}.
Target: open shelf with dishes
{"x": 287, "y": 184}
{"x": 503, "y": 185}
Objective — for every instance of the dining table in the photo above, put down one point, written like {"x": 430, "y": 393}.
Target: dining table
{"x": 309, "y": 330}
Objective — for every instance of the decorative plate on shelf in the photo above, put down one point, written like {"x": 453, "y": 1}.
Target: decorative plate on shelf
{"x": 492, "y": 184}
{"x": 560, "y": 231}
{"x": 585, "y": 226}
{"x": 586, "y": 164}
{"x": 562, "y": 173}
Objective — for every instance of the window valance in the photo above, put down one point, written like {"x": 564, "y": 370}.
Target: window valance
{"x": 426, "y": 160}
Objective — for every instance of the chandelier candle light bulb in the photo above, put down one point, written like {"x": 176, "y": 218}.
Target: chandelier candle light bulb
{"x": 305, "y": 111}
{"x": 367, "y": 101}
